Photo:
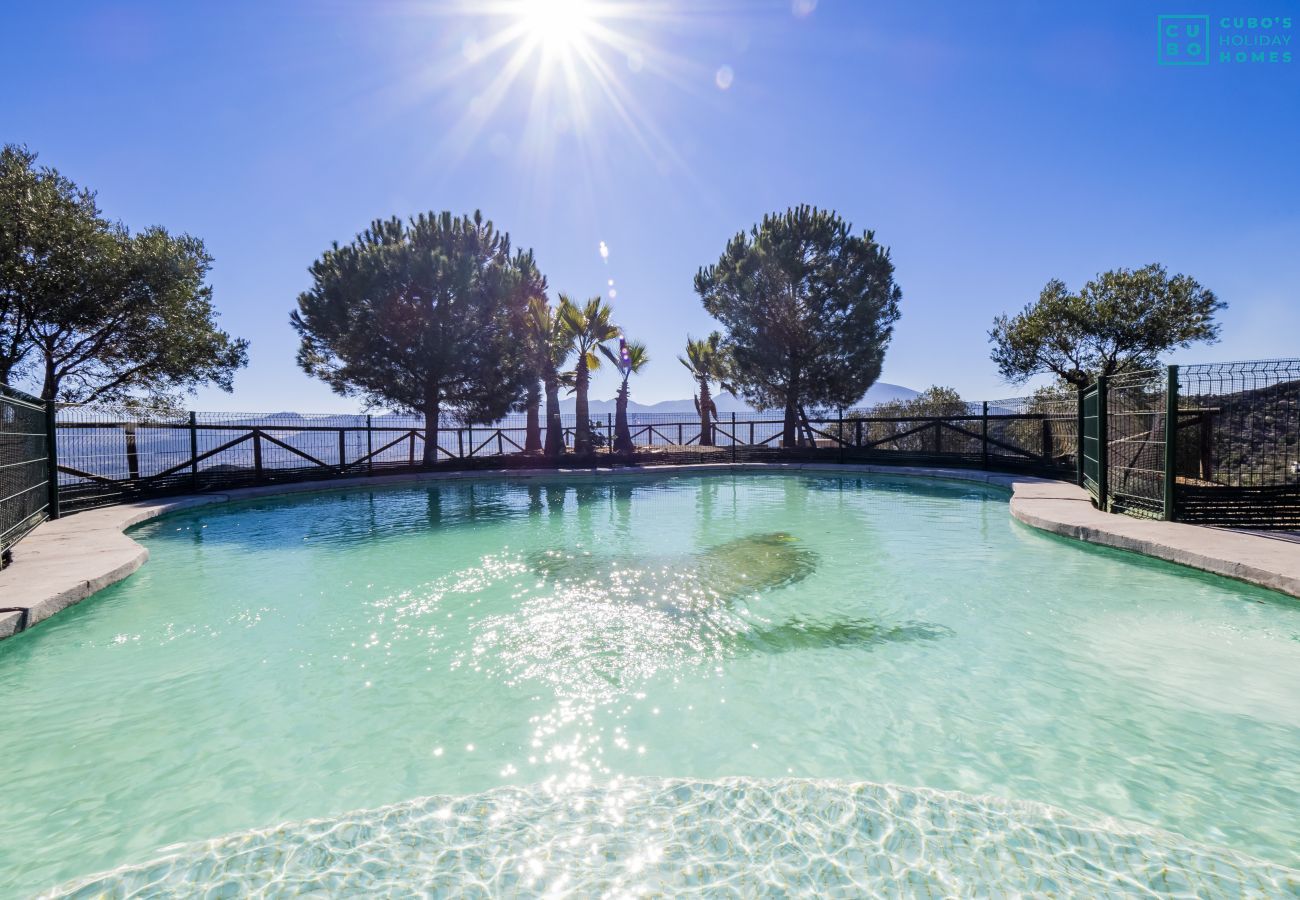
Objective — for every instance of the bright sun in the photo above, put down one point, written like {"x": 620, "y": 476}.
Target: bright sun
{"x": 557, "y": 25}
{"x": 536, "y": 76}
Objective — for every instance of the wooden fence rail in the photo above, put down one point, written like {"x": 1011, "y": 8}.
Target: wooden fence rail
{"x": 112, "y": 460}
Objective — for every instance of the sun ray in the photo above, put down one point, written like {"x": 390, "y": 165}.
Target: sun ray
{"x": 566, "y": 85}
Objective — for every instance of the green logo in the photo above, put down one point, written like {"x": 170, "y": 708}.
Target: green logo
{"x": 1183, "y": 40}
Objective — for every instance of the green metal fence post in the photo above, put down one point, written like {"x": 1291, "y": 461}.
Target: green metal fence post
{"x": 1103, "y": 445}
{"x": 984, "y": 436}
{"x": 1078, "y": 450}
{"x": 132, "y": 452}
{"x": 840, "y": 434}
{"x": 51, "y": 459}
{"x": 194, "y": 450}
{"x": 1171, "y": 444}
{"x": 370, "y": 446}
{"x": 733, "y": 436}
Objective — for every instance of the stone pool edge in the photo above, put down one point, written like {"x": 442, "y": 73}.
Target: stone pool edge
{"x": 67, "y": 560}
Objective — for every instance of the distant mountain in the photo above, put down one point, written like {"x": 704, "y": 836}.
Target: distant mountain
{"x": 880, "y": 392}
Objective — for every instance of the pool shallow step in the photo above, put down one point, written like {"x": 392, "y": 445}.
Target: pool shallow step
{"x": 678, "y": 837}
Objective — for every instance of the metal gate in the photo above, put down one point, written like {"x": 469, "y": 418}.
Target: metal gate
{"x": 1093, "y": 443}
{"x": 24, "y": 466}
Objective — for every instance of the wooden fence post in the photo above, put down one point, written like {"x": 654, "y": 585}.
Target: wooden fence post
{"x": 370, "y": 446}
{"x": 1047, "y": 439}
{"x": 1205, "y": 429}
{"x": 840, "y": 435}
{"x": 257, "y": 454}
{"x": 343, "y": 450}
{"x": 733, "y": 435}
{"x": 194, "y": 450}
{"x": 51, "y": 459}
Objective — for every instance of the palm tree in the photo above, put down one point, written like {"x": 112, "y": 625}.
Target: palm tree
{"x": 549, "y": 346}
{"x": 630, "y": 359}
{"x": 706, "y": 360}
{"x": 588, "y": 327}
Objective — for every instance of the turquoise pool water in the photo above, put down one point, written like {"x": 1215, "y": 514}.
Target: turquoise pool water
{"x": 665, "y": 684}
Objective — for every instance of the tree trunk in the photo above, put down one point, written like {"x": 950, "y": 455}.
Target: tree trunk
{"x": 582, "y": 431}
{"x": 431, "y": 409}
{"x": 790, "y": 426}
{"x": 533, "y": 430}
{"x": 554, "y": 425}
{"x": 706, "y": 414}
{"x": 50, "y": 387}
{"x": 623, "y": 442}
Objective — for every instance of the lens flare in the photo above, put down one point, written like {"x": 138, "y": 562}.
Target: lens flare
{"x": 558, "y": 25}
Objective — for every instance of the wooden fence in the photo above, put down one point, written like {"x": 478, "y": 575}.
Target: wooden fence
{"x": 105, "y": 459}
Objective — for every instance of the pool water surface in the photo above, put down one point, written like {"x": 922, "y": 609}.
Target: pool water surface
{"x": 651, "y": 683}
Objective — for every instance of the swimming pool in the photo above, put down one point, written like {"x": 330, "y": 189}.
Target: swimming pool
{"x": 674, "y": 682}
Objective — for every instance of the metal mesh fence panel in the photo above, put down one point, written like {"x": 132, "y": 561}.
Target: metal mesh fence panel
{"x": 1239, "y": 423}
{"x": 1136, "y": 403}
{"x": 24, "y": 467}
{"x": 1238, "y": 447}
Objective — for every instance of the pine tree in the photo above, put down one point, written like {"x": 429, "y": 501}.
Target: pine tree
{"x": 425, "y": 315}
{"x": 809, "y": 309}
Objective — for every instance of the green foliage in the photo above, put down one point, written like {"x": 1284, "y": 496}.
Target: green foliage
{"x": 588, "y": 327}
{"x": 425, "y": 315}
{"x": 934, "y": 402}
{"x": 1120, "y": 321}
{"x": 547, "y": 345}
{"x": 93, "y": 313}
{"x": 637, "y": 359}
{"x": 708, "y": 362}
{"x": 809, "y": 310}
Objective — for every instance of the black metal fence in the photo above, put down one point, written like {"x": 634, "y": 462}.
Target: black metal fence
{"x": 1136, "y": 408}
{"x": 108, "y": 457}
{"x": 24, "y": 467}
{"x": 1237, "y": 459}
{"x": 1213, "y": 444}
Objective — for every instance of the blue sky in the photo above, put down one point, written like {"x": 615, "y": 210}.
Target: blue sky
{"x": 993, "y": 146}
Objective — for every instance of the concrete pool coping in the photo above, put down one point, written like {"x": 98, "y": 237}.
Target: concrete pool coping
{"x": 64, "y": 561}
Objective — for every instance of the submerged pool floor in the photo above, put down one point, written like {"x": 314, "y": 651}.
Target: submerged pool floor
{"x": 700, "y": 637}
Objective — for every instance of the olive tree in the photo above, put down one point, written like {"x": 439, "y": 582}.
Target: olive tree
{"x": 90, "y": 312}
{"x": 1121, "y": 320}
